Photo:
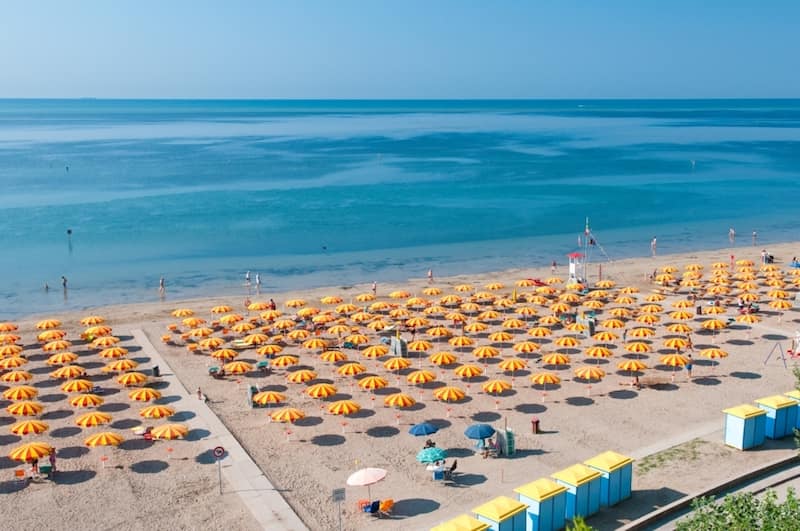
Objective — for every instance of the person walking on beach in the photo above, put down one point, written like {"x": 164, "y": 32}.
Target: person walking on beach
{"x": 258, "y": 282}
{"x": 732, "y": 236}
{"x": 162, "y": 286}
{"x": 64, "y": 282}
{"x": 272, "y": 304}
{"x": 430, "y": 276}
{"x": 553, "y": 267}
{"x": 653, "y": 246}
{"x": 374, "y": 288}
{"x": 247, "y": 278}
{"x": 755, "y": 237}
{"x": 689, "y": 367}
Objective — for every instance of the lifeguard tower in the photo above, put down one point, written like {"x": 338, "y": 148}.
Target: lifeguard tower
{"x": 577, "y": 268}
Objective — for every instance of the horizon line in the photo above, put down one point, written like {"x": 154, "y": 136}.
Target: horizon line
{"x": 115, "y": 98}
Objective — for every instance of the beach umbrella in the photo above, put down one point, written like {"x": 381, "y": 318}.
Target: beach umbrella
{"x": 396, "y": 363}
{"x": 120, "y": 365}
{"x": 431, "y": 455}
{"x": 399, "y": 313}
{"x": 589, "y": 372}
{"x": 25, "y": 408}
{"x": 321, "y": 390}
{"x": 315, "y": 342}
{"x": 748, "y": 318}
{"x": 269, "y": 350}
{"x": 295, "y": 303}
{"x": 93, "y": 419}
{"x": 545, "y": 378}
{"x": 555, "y": 359}
{"x": 438, "y": 331}
{"x": 131, "y": 378}
{"x": 285, "y": 361}
{"x": 97, "y": 331}
{"x": 58, "y": 344}
{"x": 301, "y": 376}
{"x": 331, "y": 299}
{"x": 479, "y": 431}
{"x": 332, "y": 356}
{"x": 222, "y": 308}
{"x": 86, "y": 400}
{"x": 513, "y": 323}
{"x": 456, "y": 317}
{"x": 193, "y": 322}
{"x": 612, "y": 324}
{"x": 748, "y": 297}
{"x": 442, "y": 358}
{"x": 420, "y": 346}
{"x": 145, "y": 394}
{"x": 370, "y": 383}
{"x": 27, "y": 427}
{"x": 156, "y": 412}
{"x": 605, "y": 336}
{"x": 674, "y": 360}
{"x": 20, "y": 392}
{"x": 361, "y": 317}
{"x": 48, "y": 324}
{"x": 416, "y": 322}
{"x": 365, "y": 478}
{"x": 258, "y": 306}
{"x": 526, "y": 347}
{"x": 47, "y": 335}
{"x": 496, "y": 386}
{"x": 500, "y": 337}
{"x": 287, "y": 414}
{"x": 113, "y": 352}
{"x": 351, "y": 369}
{"x": 648, "y": 319}
{"x": 485, "y": 352}
{"x": 420, "y": 377}
{"x": 110, "y": 341}
{"x": 343, "y": 407}
{"x": 77, "y": 386}
{"x": 10, "y": 350}
{"x": 400, "y": 400}
{"x": 539, "y": 331}
{"x": 284, "y": 324}
{"x": 170, "y": 431}
{"x": 231, "y": 318}
{"x": 271, "y": 315}
{"x": 679, "y": 328}
{"x": 377, "y": 325}
{"x": 224, "y": 354}
{"x": 68, "y": 371}
{"x": 714, "y": 310}
{"x": 567, "y": 342}
{"x": 594, "y": 305}
{"x": 631, "y": 365}
{"x": 237, "y": 367}
{"x": 682, "y": 304}
{"x": 31, "y": 451}
{"x": 449, "y": 394}
{"x": 676, "y": 343}
{"x": 209, "y": 343}
{"x": 62, "y": 358}
{"x": 365, "y": 297}
{"x": 375, "y": 351}
{"x": 641, "y": 332}
{"x": 299, "y": 334}
{"x": 779, "y": 304}
{"x": 468, "y": 371}
{"x": 338, "y": 329}
{"x": 548, "y": 320}
{"x": 268, "y": 397}
{"x": 16, "y": 376}
{"x": 637, "y": 347}
{"x": 8, "y": 327}
{"x": 243, "y": 328}
{"x": 620, "y": 312}
{"x": 14, "y": 362}
{"x": 422, "y": 429}
{"x": 598, "y": 352}
{"x": 461, "y": 341}
{"x": 488, "y": 315}
{"x": 346, "y": 308}
{"x": 713, "y": 324}
{"x": 512, "y": 364}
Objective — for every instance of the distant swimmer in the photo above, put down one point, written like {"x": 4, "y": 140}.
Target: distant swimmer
{"x": 67, "y": 168}
{"x": 693, "y": 163}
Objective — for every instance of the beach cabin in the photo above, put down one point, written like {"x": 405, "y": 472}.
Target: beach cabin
{"x": 583, "y": 490}
{"x": 795, "y": 395}
{"x": 461, "y": 523}
{"x": 546, "y": 501}
{"x": 745, "y": 426}
{"x": 616, "y": 476}
{"x": 781, "y": 415}
{"x": 502, "y": 514}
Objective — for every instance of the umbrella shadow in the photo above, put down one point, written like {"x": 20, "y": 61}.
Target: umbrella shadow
{"x": 56, "y": 415}
{"x": 44, "y": 384}
{"x": 459, "y": 452}
{"x": 440, "y": 423}
{"x": 530, "y": 409}
{"x": 205, "y": 458}
{"x": 73, "y": 477}
{"x": 152, "y": 466}
{"x": 623, "y": 394}
{"x": 72, "y": 452}
{"x": 274, "y": 387}
{"x": 183, "y": 416}
{"x": 197, "y": 434}
{"x": 382, "y": 431}
{"x": 61, "y": 433}
{"x": 136, "y": 444}
{"x": 579, "y": 401}
{"x": 89, "y": 365}
{"x": 740, "y": 342}
{"x": 9, "y": 439}
{"x": 774, "y": 337}
{"x": 486, "y": 416}
{"x": 413, "y": 507}
{"x": 6, "y": 462}
{"x": 53, "y": 397}
{"x": 745, "y": 375}
{"x": 467, "y": 480}
{"x": 664, "y": 387}
{"x": 113, "y": 407}
{"x": 168, "y": 399}
{"x": 706, "y": 380}
{"x": 362, "y": 413}
{"x": 308, "y": 421}
{"x": 125, "y": 424}
{"x": 328, "y": 439}
{"x": 10, "y": 487}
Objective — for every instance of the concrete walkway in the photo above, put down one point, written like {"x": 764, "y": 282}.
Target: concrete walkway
{"x": 239, "y": 470}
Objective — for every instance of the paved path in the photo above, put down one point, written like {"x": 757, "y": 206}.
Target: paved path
{"x": 239, "y": 470}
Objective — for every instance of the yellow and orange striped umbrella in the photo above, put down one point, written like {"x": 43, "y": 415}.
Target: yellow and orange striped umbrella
{"x": 351, "y": 369}
{"x": 68, "y": 371}
{"x": 496, "y": 386}
{"x": 16, "y": 376}
{"x": 287, "y": 414}
{"x": 449, "y": 394}
{"x": 28, "y": 427}
{"x": 396, "y": 364}
{"x": 86, "y": 400}
{"x": 343, "y": 407}
{"x": 170, "y": 431}
{"x": 301, "y": 376}
{"x": 77, "y": 386}
{"x": 468, "y": 371}
{"x": 156, "y": 412}
{"x": 131, "y": 378}
{"x": 420, "y": 377}
{"x": 320, "y": 390}
{"x": 30, "y": 451}
{"x": 268, "y": 397}
{"x": 145, "y": 394}
{"x": 25, "y": 408}
{"x": 93, "y": 419}
{"x": 370, "y": 383}
{"x": 399, "y": 400}
{"x": 20, "y": 392}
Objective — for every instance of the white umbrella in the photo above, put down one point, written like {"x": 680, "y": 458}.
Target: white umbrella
{"x": 366, "y": 477}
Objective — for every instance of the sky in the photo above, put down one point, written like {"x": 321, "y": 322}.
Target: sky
{"x": 416, "y": 49}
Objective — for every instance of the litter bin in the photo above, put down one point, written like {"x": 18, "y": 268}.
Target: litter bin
{"x": 699, "y": 309}
{"x": 535, "y": 425}
{"x": 156, "y": 371}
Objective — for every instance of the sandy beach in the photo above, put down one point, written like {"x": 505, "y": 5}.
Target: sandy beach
{"x": 145, "y": 484}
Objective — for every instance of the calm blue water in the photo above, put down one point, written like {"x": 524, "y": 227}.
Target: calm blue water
{"x": 337, "y": 192}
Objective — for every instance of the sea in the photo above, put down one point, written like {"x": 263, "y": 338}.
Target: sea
{"x": 115, "y": 194}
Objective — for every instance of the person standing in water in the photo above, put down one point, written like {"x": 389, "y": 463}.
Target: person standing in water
{"x": 162, "y": 286}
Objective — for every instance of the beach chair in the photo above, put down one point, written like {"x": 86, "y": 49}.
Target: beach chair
{"x": 448, "y": 472}
{"x": 373, "y": 507}
{"x": 20, "y": 475}
{"x": 385, "y": 508}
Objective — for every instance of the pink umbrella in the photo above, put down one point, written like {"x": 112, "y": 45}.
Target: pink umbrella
{"x": 366, "y": 477}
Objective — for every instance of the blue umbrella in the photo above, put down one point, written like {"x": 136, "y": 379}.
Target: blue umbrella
{"x": 426, "y": 428}
{"x": 431, "y": 455}
{"x": 479, "y": 431}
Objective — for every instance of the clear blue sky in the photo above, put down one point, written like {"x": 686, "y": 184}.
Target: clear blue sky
{"x": 399, "y": 49}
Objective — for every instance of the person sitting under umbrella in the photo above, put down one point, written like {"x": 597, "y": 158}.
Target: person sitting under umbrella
{"x": 429, "y": 444}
